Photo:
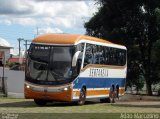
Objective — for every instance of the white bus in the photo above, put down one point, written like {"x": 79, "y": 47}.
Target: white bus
{"x": 65, "y": 67}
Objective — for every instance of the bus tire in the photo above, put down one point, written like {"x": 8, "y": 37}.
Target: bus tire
{"x": 111, "y": 96}
{"x": 82, "y": 97}
{"x": 40, "y": 102}
{"x": 117, "y": 92}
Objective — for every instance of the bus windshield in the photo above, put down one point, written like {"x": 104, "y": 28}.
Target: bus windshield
{"x": 49, "y": 64}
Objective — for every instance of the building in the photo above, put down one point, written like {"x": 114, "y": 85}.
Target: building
{"x": 4, "y": 51}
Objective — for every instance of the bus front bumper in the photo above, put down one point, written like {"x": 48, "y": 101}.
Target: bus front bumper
{"x": 62, "y": 93}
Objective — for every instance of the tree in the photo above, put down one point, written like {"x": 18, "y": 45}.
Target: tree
{"x": 131, "y": 23}
{"x": 155, "y": 63}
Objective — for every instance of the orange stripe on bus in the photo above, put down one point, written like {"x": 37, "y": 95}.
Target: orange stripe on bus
{"x": 93, "y": 92}
{"x": 96, "y": 92}
{"x": 121, "y": 91}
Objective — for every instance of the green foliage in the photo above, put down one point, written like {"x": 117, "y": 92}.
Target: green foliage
{"x": 135, "y": 78}
{"x": 139, "y": 84}
{"x": 10, "y": 64}
{"x": 159, "y": 91}
{"x": 156, "y": 62}
{"x": 135, "y": 24}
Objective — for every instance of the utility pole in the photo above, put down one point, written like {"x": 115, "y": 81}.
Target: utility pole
{"x": 4, "y": 88}
{"x": 19, "y": 41}
{"x": 26, "y": 44}
{"x": 37, "y": 31}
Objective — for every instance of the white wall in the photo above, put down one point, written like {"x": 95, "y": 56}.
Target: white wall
{"x": 7, "y": 53}
{"x": 15, "y": 82}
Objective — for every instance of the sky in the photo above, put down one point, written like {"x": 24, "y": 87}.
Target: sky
{"x": 29, "y": 18}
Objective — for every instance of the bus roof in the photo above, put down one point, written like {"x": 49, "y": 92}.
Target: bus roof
{"x": 67, "y": 39}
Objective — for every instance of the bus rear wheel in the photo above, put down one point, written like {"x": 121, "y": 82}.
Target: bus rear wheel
{"x": 112, "y": 97}
{"x": 40, "y": 102}
{"x": 82, "y": 97}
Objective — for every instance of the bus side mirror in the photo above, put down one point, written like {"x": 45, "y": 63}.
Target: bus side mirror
{"x": 75, "y": 58}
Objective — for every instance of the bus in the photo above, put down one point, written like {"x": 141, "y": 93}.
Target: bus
{"x": 74, "y": 68}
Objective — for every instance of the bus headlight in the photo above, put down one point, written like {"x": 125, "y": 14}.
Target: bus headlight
{"x": 27, "y": 86}
{"x": 65, "y": 89}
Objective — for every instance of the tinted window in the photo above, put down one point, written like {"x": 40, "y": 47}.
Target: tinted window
{"x": 39, "y": 53}
{"x": 80, "y": 47}
{"x": 114, "y": 56}
{"x": 49, "y": 64}
{"x": 88, "y": 55}
{"x": 96, "y": 54}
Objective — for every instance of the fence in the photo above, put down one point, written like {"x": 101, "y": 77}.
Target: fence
{"x": 3, "y": 86}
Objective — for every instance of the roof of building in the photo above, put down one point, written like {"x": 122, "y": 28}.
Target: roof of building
{"x": 4, "y": 43}
{"x": 16, "y": 60}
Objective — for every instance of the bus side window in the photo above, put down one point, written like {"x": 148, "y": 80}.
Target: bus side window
{"x": 123, "y": 57}
{"x": 107, "y": 55}
{"x": 79, "y": 62}
{"x": 88, "y": 55}
{"x": 95, "y": 54}
{"x": 114, "y": 53}
{"x": 114, "y": 56}
{"x": 101, "y": 55}
{"x": 120, "y": 57}
{"x": 80, "y": 47}
{"x": 77, "y": 68}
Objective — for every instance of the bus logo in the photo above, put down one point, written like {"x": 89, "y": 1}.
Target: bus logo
{"x": 98, "y": 72}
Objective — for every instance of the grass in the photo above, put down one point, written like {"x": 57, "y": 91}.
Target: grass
{"x": 91, "y": 110}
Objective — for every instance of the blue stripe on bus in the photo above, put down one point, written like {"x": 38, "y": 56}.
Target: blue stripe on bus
{"x": 98, "y": 82}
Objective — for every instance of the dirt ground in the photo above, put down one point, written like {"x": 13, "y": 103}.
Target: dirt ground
{"x": 129, "y": 100}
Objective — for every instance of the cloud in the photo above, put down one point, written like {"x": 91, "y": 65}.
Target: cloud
{"x": 27, "y": 21}
{"x": 47, "y": 30}
{"x": 66, "y": 14}
{"x": 66, "y": 21}
{"x": 3, "y": 42}
{"x": 47, "y": 8}
{"x": 16, "y": 7}
{"x": 5, "y": 21}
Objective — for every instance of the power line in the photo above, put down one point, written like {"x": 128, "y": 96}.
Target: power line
{"x": 26, "y": 43}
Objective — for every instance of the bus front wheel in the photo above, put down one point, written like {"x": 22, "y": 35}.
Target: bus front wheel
{"x": 82, "y": 97}
{"x": 40, "y": 102}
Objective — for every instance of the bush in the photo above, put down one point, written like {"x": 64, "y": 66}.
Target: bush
{"x": 159, "y": 91}
{"x": 9, "y": 64}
